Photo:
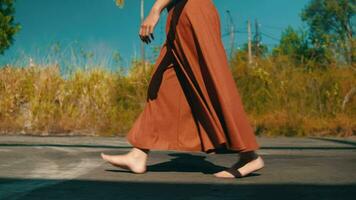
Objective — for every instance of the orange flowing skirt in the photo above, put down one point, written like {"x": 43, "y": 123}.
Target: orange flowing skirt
{"x": 193, "y": 103}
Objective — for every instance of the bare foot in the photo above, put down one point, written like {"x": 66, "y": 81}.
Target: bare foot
{"x": 243, "y": 169}
{"x": 134, "y": 161}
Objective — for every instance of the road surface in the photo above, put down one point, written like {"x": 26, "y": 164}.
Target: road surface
{"x": 71, "y": 168}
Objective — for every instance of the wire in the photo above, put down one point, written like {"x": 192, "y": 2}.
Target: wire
{"x": 271, "y": 37}
{"x": 238, "y": 32}
{"x": 273, "y": 27}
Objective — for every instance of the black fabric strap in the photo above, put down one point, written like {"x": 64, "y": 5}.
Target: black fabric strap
{"x": 245, "y": 158}
{"x": 248, "y": 156}
{"x": 235, "y": 172}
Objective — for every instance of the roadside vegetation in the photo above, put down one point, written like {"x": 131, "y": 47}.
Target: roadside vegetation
{"x": 305, "y": 85}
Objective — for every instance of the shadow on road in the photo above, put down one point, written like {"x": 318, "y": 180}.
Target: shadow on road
{"x": 183, "y": 163}
{"x": 186, "y": 163}
{"x": 88, "y": 190}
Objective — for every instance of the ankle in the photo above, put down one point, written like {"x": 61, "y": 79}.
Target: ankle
{"x": 248, "y": 155}
{"x": 139, "y": 153}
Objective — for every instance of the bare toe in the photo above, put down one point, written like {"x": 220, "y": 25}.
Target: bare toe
{"x": 116, "y": 161}
{"x": 223, "y": 174}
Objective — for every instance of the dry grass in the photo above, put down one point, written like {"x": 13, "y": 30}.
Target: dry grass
{"x": 281, "y": 99}
{"x": 284, "y": 99}
{"x": 37, "y": 100}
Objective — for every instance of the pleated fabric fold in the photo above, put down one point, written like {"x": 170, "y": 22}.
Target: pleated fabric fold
{"x": 193, "y": 103}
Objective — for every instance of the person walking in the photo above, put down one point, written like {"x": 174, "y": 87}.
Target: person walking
{"x": 193, "y": 103}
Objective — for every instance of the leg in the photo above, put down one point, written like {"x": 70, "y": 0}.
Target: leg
{"x": 166, "y": 122}
{"x": 135, "y": 160}
{"x": 249, "y": 162}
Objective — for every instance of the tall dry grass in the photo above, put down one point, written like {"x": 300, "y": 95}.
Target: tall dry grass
{"x": 37, "y": 100}
{"x": 280, "y": 99}
{"x": 284, "y": 99}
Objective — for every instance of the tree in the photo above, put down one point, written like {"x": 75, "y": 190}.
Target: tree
{"x": 331, "y": 26}
{"x": 8, "y": 28}
{"x": 295, "y": 45}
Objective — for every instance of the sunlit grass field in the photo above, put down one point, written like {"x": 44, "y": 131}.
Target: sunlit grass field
{"x": 280, "y": 99}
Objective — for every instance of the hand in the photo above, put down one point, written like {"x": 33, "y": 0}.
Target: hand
{"x": 148, "y": 25}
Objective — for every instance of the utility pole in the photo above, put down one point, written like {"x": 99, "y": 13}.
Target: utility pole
{"x": 142, "y": 43}
{"x": 249, "y": 42}
{"x": 257, "y": 40}
{"x": 232, "y": 33}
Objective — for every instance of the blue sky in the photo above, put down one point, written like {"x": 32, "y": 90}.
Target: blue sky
{"x": 100, "y": 27}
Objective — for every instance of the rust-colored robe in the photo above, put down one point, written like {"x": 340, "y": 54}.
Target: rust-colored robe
{"x": 193, "y": 103}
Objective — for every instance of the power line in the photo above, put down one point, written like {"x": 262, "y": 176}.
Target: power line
{"x": 271, "y": 37}
{"x": 273, "y": 27}
{"x": 252, "y": 32}
{"x": 236, "y": 32}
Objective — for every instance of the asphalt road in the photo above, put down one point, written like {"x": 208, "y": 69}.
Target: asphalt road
{"x": 71, "y": 168}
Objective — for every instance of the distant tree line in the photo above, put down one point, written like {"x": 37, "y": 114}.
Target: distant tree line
{"x": 329, "y": 38}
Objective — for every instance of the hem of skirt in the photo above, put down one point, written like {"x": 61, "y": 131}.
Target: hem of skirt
{"x": 218, "y": 150}
{"x": 164, "y": 148}
{"x": 225, "y": 149}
